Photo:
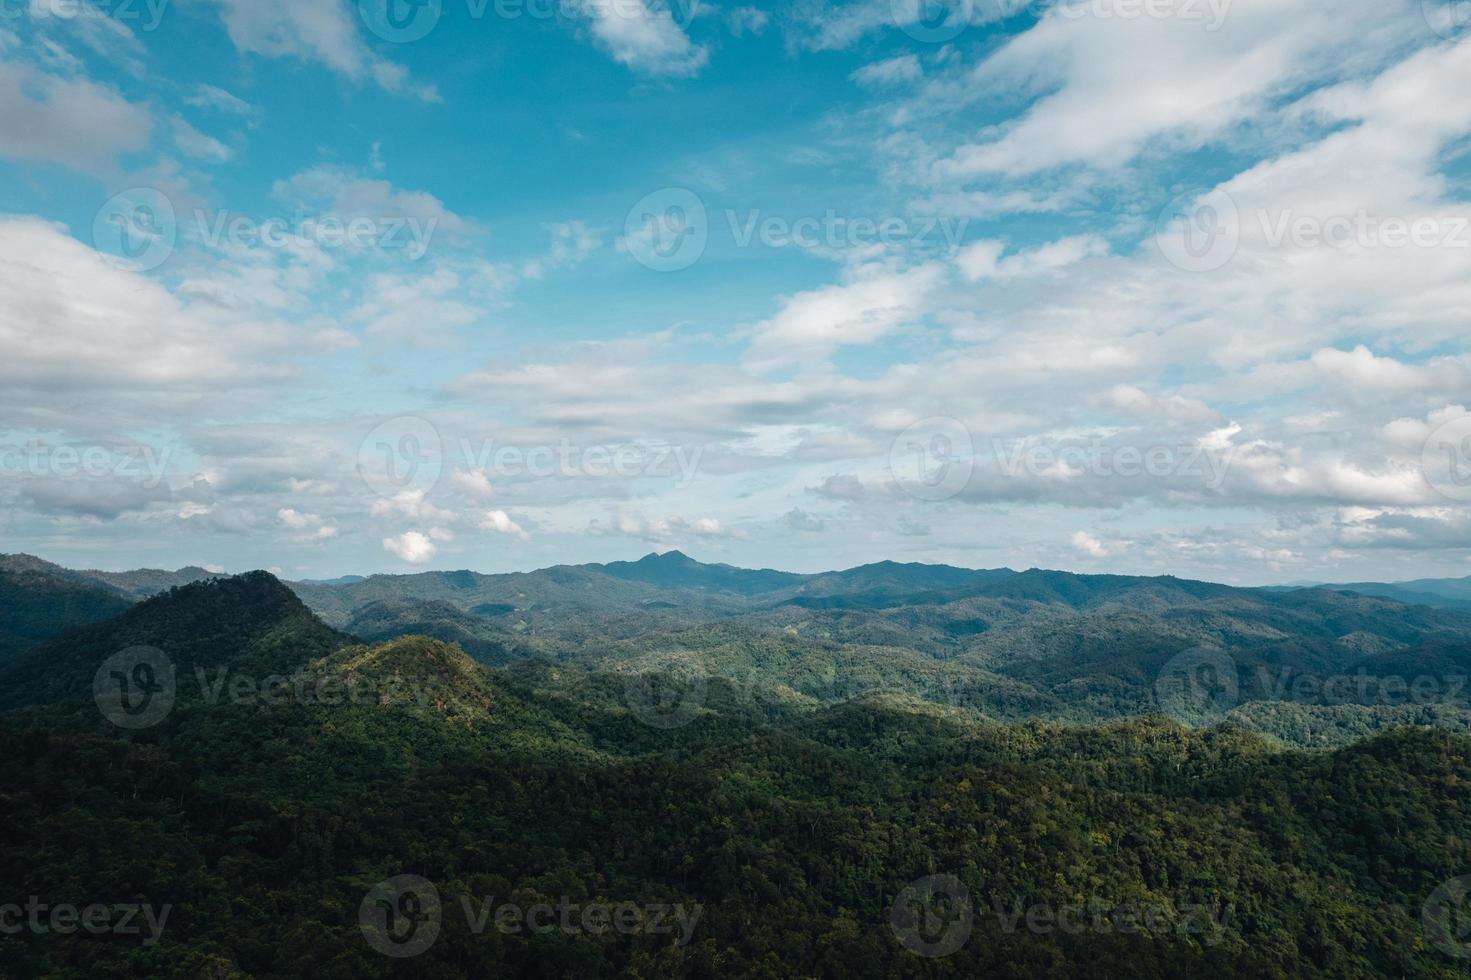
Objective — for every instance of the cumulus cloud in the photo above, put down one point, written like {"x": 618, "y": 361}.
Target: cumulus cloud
{"x": 414, "y": 547}
{"x": 70, "y": 121}
{"x": 871, "y": 305}
{"x": 645, "y": 37}
{"x": 321, "y": 31}
{"x": 892, "y": 71}
{"x": 1089, "y": 545}
{"x": 500, "y": 522}
{"x": 475, "y": 482}
{"x": 72, "y": 320}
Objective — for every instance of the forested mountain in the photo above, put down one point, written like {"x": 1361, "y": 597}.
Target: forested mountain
{"x": 251, "y": 622}
{"x": 1170, "y": 763}
{"x": 1447, "y": 593}
{"x": 39, "y": 600}
{"x": 784, "y": 827}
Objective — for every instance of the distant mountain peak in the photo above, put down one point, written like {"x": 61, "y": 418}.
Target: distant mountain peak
{"x": 671, "y": 557}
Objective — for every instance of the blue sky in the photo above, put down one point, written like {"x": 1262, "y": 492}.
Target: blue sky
{"x": 1167, "y": 287}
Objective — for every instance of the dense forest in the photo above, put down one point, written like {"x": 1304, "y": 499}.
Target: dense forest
{"x": 906, "y": 772}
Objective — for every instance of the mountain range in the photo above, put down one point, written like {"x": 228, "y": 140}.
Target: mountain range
{"x": 790, "y": 755}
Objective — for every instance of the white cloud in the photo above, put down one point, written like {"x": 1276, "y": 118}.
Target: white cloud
{"x": 1089, "y": 545}
{"x": 72, "y": 322}
{"x": 870, "y": 305}
{"x": 196, "y": 144}
{"x": 211, "y": 97}
{"x": 413, "y": 503}
{"x": 1109, "y": 85}
{"x": 413, "y": 547}
{"x": 500, "y": 522}
{"x": 893, "y": 71}
{"x": 74, "y": 122}
{"x": 644, "y": 38}
{"x": 323, "y": 31}
{"x": 474, "y": 482}
{"x": 983, "y": 259}
{"x": 1135, "y": 401}
{"x": 309, "y": 526}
